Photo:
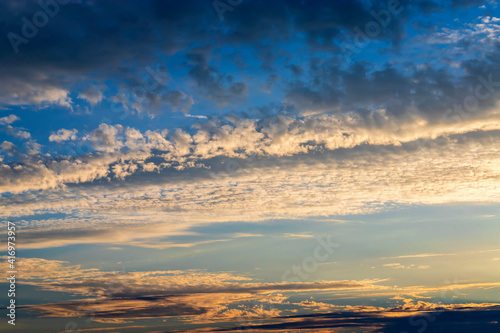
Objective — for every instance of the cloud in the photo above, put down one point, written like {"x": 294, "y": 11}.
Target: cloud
{"x": 39, "y": 94}
{"x": 426, "y": 255}
{"x": 281, "y": 136}
{"x": 91, "y": 42}
{"x": 460, "y": 317}
{"x": 423, "y": 255}
{"x": 63, "y": 135}
{"x": 218, "y": 87}
{"x": 203, "y": 297}
{"x": 344, "y": 181}
{"x": 399, "y": 266}
{"x": 467, "y": 3}
{"x": 276, "y": 122}
{"x": 210, "y": 296}
{"x": 92, "y": 94}
{"x": 59, "y": 275}
{"x": 9, "y": 119}
{"x": 56, "y": 75}
{"x": 21, "y": 134}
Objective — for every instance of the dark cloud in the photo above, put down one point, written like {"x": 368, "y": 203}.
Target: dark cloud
{"x": 430, "y": 91}
{"x": 462, "y": 320}
{"x": 120, "y": 308}
{"x": 322, "y": 22}
{"x": 217, "y": 86}
{"x": 79, "y": 39}
{"x": 466, "y": 3}
{"x": 427, "y": 6}
{"x": 102, "y": 39}
{"x": 87, "y": 39}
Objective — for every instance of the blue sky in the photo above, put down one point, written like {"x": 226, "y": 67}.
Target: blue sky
{"x": 294, "y": 166}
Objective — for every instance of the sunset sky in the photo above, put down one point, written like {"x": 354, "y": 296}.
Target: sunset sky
{"x": 250, "y": 165}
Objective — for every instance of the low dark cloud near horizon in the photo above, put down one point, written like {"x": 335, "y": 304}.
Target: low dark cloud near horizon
{"x": 463, "y": 320}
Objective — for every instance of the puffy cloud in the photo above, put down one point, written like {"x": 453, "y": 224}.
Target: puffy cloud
{"x": 34, "y": 93}
{"x": 179, "y": 101}
{"x": 282, "y": 135}
{"x": 92, "y": 94}
{"x": 360, "y": 180}
{"x": 82, "y": 45}
{"x": 105, "y": 138}
{"x": 63, "y": 135}
{"x": 8, "y": 146}
{"x": 9, "y": 119}
{"x": 216, "y": 86}
{"x": 22, "y": 134}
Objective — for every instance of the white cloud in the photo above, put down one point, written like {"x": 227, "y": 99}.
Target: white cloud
{"x": 21, "y": 134}
{"x": 9, "y": 119}
{"x": 276, "y": 170}
{"x": 63, "y": 135}
{"x": 349, "y": 182}
{"x": 8, "y": 146}
{"x": 35, "y": 93}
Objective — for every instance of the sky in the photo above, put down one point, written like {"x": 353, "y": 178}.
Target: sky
{"x": 251, "y": 166}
